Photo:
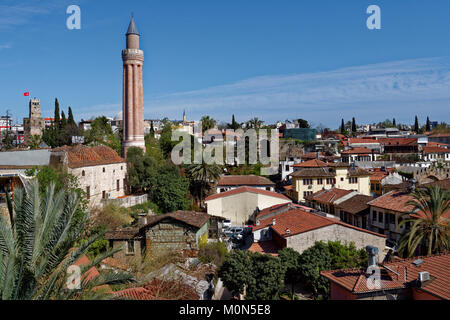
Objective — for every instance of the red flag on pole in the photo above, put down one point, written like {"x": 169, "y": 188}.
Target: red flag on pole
{"x": 26, "y": 94}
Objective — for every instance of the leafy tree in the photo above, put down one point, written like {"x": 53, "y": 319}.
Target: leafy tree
{"x": 235, "y": 272}
{"x": 166, "y": 187}
{"x": 7, "y": 141}
{"x": 165, "y": 141}
{"x": 303, "y": 123}
{"x": 214, "y": 252}
{"x": 328, "y": 256}
{"x": 431, "y": 230}
{"x": 101, "y": 133}
{"x": 207, "y": 123}
{"x": 34, "y": 141}
{"x": 441, "y": 128}
{"x": 290, "y": 260}
{"x": 267, "y": 281}
{"x": 38, "y": 244}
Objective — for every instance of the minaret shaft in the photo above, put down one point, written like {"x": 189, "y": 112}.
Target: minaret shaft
{"x": 133, "y": 101}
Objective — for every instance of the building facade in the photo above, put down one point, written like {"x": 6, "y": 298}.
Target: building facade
{"x": 34, "y": 124}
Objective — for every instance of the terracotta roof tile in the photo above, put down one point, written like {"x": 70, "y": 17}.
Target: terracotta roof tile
{"x": 398, "y": 141}
{"x": 299, "y": 221}
{"x": 244, "y": 180}
{"x": 265, "y": 247}
{"x": 354, "y": 280}
{"x": 246, "y": 189}
{"x": 315, "y": 163}
{"x": 196, "y": 219}
{"x": 355, "y": 204}
{"x": 359, "y": 151}
{"x": 362, "y": 140}
{"x": 83, "y": 156}
{"x": 428, "y": 150}
{"x": 328, "y": 195}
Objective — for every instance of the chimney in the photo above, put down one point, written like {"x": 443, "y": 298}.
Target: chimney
{"x": 372, "y": 251}
{"x": 142, "y": 219}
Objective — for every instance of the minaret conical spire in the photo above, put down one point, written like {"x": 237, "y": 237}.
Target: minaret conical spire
{"x": 132, "y": 29}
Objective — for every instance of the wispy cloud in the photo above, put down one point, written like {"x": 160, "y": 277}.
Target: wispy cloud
{"x": 14, "y": 14}
{"x": 370, "y": 93}
{"x": 5, "y": 46}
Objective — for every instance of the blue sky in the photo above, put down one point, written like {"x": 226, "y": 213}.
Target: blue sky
{"x": 313, "y": 59}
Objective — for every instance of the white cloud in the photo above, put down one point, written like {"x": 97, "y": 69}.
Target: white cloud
{"x": 5, "y": 46}
{"x": 375, "y": 92}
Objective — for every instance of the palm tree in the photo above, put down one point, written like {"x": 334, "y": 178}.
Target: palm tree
{"x": 202, "y": 176}
{"x": 430, "y": 230}
{"x": 255, "y": 123}
{"x": 207, "y": 123}
{"x": 37, "y": 245}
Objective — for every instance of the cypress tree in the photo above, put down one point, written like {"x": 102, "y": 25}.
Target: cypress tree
{"x": 428, "y": 126}
{"x": 394, "y": 123}
{"x": 353, "y": 125}
{"x": 342, "y": 126}
{"x": 71, "y": 120}
{"x": 152, "y": 129}
{"x": 63, "y": 120}
{"x": 57, "y": 119}
{"x": 416, "y": 125}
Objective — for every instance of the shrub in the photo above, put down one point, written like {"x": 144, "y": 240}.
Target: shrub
{"x": 213, "y": 253}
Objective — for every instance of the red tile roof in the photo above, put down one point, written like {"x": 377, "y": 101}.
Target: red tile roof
{"x": 281, "y": 208}
{"x": 83, "y": 156}
{"x": 359, "y": 151}
{"x": 435, "y": 150}
{"x": 247, "y": 180}
{"x": 355, "y": 280}
{"x": 329, "y": 195}
{"x": 440, "y": 135}
{"x": 437, "y": 144}
{"x": 160, "y": 290}
{"x": 362, "y": 140}
{"x": 398, "y": 141}
{"x": 355, "y": 204}
{"x": 315, "y": 163}
{"x": 246, "y": 189}
{"x": 265, "y": 247}
{"x": 299, "y": 221}
{"x": 394, "y": 201}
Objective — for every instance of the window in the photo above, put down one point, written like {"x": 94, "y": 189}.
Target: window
{"x": 287, "y": 168}
{"x": 342, "y": 179}
{"x": 104, "y": 170}
{"x": 374, "y": 216}
{"x": 88, "y": 192}
{"x": 104, "y": 195}
{"x": 121, "y": 167}
{"x": 380, "y": 217}
{"x": 307, "y": 193}
{"x": 392, "y": 218}
{"x": 83, "y": 173}
{"x": 130, "y": 247}
{"x": 372, "y": 187}
{"x": 378, "y": 187}
{"x": 268, "y": 188}
{"x": 307, "y": 182}
{"x": 118, "y": 185}
{"x": 353, "y": 180}
{"x": 319, "y": 181}
{"x": 331, "y": 181}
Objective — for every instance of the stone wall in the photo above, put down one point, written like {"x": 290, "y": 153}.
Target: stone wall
{"x": 336, "y": 232}
{"x": 176, "y": 236}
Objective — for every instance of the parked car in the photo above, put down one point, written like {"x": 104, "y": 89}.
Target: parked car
{"x": 226, "y": 224}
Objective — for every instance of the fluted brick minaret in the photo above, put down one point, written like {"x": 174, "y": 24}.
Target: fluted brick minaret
{"x": 133, "y": 101}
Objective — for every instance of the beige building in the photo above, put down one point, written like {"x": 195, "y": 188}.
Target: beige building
{"x": 100, "y": 171}
{"x": 239, "y": 205}
{"x": 312, "y": 176}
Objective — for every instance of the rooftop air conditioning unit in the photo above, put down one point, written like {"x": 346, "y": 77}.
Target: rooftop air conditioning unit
{"x": 424, "y": 276}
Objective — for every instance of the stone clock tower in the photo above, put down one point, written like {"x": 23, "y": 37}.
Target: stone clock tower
{"x": 133, "y": 101}
{"x": 34, "y": 124}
